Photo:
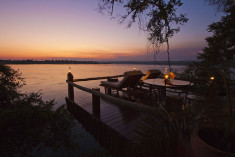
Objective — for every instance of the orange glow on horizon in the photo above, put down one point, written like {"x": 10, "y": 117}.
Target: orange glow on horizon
{"x": 74, "y": 29}
{"x": 30, "y": 53}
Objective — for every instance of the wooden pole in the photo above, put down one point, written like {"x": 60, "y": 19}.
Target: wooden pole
{"x": 96, "y": 103}
{"x": 70, "y": 87}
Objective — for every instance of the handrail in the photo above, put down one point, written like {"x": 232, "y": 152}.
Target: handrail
{"x": 116, "y": 101}
{"x": 97, "y": 78}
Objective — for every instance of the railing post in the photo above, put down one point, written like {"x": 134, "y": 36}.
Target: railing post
{"x": 70, "y": 87}
{"x": 96, "y": 104}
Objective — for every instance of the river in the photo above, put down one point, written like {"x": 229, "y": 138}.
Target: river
{"x": 49, "y": 79}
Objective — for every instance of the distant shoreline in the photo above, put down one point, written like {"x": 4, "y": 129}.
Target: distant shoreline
{"x": 148, "y": 62}
{"x": 93, "y": 62}
{"x": 46, "y": 62}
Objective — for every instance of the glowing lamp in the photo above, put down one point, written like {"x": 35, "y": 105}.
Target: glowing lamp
{"x": 166, "y": 76}
{"x": 134, "y": 68}
{"x": 69, "y": 69}
{"x": 212, "y": 78}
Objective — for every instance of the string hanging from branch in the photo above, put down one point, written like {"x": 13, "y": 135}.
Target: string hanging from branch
{"x": 156, "y": 17}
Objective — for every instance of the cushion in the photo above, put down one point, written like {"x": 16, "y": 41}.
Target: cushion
{"x": 112, "y": 79}
{"x": 127, "y": 73}
{"x": 110, "y": 84}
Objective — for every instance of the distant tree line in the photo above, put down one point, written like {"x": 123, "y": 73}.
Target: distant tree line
{"x": 148, "y": 62}
{"x": 92, "y": 62}
{"x": 28, "y": 61}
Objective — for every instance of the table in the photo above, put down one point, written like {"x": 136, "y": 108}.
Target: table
{"x": 160, "y": 82}
{"x": 159, "y": 86}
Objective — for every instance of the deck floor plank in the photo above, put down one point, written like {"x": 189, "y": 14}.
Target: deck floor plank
{"x": 108, "y": 110}
{"x": 121, "y": 119}
{"x": 113, "y": 120}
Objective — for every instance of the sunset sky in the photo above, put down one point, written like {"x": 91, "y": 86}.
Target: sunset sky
{"x": 74, "y": 29}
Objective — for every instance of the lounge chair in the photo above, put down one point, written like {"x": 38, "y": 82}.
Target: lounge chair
{"x": 130, "y": 81}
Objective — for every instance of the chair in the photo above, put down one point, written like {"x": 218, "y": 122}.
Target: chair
{"x": 179, "y": 90}
{"x": 201, "y": 97}
{"x": 130, "y": 81}
{"x": 178, "y": 93}
{"x": 152, "y": 74}
{"x": 210, "y": 92}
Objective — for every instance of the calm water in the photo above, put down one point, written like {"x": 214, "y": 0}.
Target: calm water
{"x": 50, "y": 79}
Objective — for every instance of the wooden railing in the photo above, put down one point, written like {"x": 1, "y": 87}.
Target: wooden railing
{"x": 96, "y": 95}
{"x": 97, "y": 78}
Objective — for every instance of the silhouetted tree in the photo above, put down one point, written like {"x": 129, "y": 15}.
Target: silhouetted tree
{"x": 221, "y": 5}
{"x": 218, "y": 57}
{"x": 10, "y": 82}
{"x": 157, "y": 17}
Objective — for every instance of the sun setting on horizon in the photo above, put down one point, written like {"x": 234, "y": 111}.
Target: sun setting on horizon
{"x": 75, "y": 29}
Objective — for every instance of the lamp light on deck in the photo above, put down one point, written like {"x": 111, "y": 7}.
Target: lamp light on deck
{"x": 212, "y": 77}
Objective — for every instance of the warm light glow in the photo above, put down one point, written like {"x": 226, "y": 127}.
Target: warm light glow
{"x": 212, "y": 78}
{"x": 166, "y": 76}
{"x": 172, "y": 75}
{"x": 134, "y": 68}
{"x": 65, "y": 29}
{"x": 69, "y": 69}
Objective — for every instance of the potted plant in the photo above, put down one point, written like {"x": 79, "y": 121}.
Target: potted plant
{"x": 213, "y": 133}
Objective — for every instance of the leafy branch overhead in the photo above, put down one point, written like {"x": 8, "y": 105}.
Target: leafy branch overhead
{"x": 221, "y": 5}
{"x": 157, "y": 17}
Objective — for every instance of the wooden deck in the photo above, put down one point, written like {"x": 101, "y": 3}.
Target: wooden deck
{"x": 114, "y": 121}
{"x": 115, "y": 127}
{"x": 111, "y": 120}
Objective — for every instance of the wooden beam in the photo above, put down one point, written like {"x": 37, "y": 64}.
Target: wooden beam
{"x": 97, "y": 78}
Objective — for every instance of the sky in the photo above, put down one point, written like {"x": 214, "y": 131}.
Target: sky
{"x": 74, "y": 29}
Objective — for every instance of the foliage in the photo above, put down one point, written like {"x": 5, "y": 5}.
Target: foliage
{"x": 217, "y": 59}
{"x": 30, "y": 126}
{"x": 10, "y": 82}
{"x": 221, "y": 45}
{"x": 221, "y": 5}
{"x": 163, "y": 134}
{"x": 28, "y": 130}
{"x": 157, "y": 17}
